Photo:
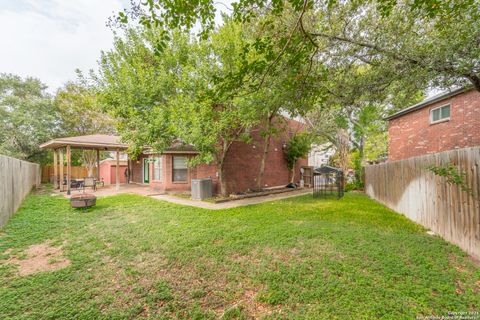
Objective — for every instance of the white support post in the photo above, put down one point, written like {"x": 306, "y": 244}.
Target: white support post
{"x": 117, "y": 171}
{"x": 55, "y": 169}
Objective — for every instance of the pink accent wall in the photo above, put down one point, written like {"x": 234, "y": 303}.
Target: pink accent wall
{"x": 107, "y": 171}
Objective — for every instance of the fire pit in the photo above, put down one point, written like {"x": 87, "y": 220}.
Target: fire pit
{"x": 85, "y": 200}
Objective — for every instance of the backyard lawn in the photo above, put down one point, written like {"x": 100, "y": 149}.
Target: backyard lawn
{"x": 300, "y": 258}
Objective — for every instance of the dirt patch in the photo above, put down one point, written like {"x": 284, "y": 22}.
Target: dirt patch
{"x": 250, "y": 306}
{"x": 297, "y": 222}
{"x": 40, "y": 258}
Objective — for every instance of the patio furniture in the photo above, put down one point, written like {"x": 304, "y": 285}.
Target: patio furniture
{"x": 85, "y": 200}
{"x": 89, "y": 182}
{"x": 100, "y": 183}
{"x": 100, "y": 143}
{"x": 74, "y": 184}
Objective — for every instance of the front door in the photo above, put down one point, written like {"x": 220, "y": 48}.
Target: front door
{"x": 146, "y": 170}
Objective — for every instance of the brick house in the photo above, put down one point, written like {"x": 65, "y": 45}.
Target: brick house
{"x": 169, "y": 172}
{"x": 443, "y": 122}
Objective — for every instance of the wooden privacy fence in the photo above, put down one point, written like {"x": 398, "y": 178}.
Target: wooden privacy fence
{"x": 407, "y": 187}
{"x": 17, "y": 178}
{"x": 78, "y": 172}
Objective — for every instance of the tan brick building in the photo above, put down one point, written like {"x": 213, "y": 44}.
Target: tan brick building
{"x": 443, "y": 122}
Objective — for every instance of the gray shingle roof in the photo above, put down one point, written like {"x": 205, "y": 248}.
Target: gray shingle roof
{"x": 428, "y": 101}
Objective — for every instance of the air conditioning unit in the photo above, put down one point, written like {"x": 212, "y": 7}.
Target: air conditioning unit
{"x": 201, "y": 189}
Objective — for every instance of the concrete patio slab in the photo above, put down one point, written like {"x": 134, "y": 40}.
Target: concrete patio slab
{"x": 230, "y": 204}
{"x": 132, "y": 188}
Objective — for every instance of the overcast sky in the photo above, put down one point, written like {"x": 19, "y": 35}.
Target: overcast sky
{"x": 49, "y": 39}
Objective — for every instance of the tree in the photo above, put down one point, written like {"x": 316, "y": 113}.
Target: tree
{"x": 79, "y": 109}
{"x": 439, "y": 49}
{"x": 80, "y": 113}
{"x": 27, "y": 118}
{"x": 290, "y": 88}
{"x": 425, "y": 39}
{"x": 297, "y": 147}
{"x": 136, "y": 86}
{"x": 159, "y": 99}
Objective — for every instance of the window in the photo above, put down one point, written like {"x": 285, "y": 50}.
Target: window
{"x": 179, "y": 169}
{"x": 440, "y": 114}
{"x": 157, "y": 168}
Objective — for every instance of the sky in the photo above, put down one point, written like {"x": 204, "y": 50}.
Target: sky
{"x": 49, "y": 39}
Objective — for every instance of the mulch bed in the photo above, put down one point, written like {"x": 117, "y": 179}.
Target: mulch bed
{"x": 256, "y": 194}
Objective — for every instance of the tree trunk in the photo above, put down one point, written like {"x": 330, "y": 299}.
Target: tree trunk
{"x": 361, "y": 149}
{"x": 222, "y": 180}
{"x": 261, "y": 171}
{"x": 293, "y": 174}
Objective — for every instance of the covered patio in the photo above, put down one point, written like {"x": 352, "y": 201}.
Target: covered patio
{"x": 62, "y": 151}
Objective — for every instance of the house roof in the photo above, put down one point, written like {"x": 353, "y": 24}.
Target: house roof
{"x": 327, "y": 169}
{"x": 114, "y": 162}
{"x": 176, "y": 147}
{"x": 94, "y": 141}
{"x": 428, "y": 101}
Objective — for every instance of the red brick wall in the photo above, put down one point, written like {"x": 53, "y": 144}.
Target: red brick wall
{"x": 241, "y": 165}
{"x": 166, "y": 183}
{"x": 207, "y": 171}
{"x": 137, "y": 169}
{"x": 412, "y": 134}
{"x": 243, "y": 161}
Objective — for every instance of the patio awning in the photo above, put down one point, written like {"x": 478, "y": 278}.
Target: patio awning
{"x": 94, "y": 141}
{"x": 97, "y": 142}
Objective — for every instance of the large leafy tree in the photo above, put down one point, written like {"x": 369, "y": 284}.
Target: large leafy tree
{"x": 435, "y": 49}
{"x": 79, "y": 111}
{"x": 78, "y": 107}
{"x": 27, "y": 118}
{"x": 291, "y": 88}
{"x": 137, "y": 85}
{"x": 429, "y": 39}
{"x": 161, "y": 98}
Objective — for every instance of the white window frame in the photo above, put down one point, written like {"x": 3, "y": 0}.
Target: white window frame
{"x": 158, "y": 159}
{"x": 173, "y": 169}
{"x": 442, "y": 119}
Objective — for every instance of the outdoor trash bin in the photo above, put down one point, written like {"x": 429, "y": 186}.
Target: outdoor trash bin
{"x": 85, "y": 200}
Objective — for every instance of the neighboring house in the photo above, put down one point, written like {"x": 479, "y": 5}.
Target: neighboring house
{"x": 107, "y": 171}
{"x": 443, "y": 122}
{"x": 169, "y": 171}
{"x": 320, "y": 155}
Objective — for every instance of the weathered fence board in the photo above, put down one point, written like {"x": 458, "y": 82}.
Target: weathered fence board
{"x": 78, "y": 172}
{"x": 17, "y": 178}
{"x": 407, "y": 187}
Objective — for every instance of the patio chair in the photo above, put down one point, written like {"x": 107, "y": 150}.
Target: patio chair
{"x": 74, "y": 184}
{"x": 99, "y": 183}
{"x": 89, "y": 183}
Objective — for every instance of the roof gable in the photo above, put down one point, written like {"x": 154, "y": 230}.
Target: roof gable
{"x": 429, "y": 101}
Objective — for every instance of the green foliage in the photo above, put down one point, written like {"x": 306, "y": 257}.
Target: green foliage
{"x": 297, "y": 147}
{"x": 27, "y": 118}
{"x": 80, "y": 111}
{"x": 358, "y": 167}
{"x": 354, "y": 185}
{"x": 423, "y": 40}
{"x": 134, "y": 257}
{"x": 452, "y": 175}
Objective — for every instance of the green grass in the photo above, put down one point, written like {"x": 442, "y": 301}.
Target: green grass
{"x": 300, "y": 258}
